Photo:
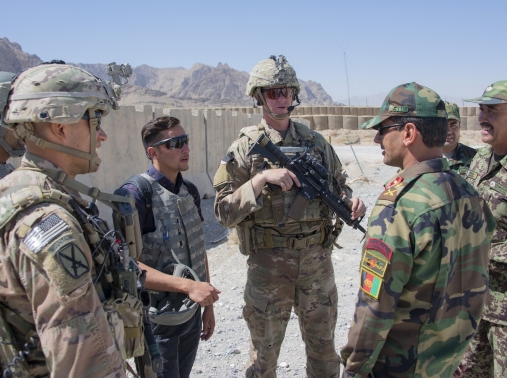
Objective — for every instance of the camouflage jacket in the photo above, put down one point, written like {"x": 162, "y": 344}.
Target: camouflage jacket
{"x": 423, "y": 276}
{"x": 461, "y": 159}
{"x": 47, "y": 271}
{"x": 492, "y": 186}
{"x": 235, "y": 198}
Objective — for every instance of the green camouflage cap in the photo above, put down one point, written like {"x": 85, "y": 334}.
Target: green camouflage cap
{"x": 409, "y": 100}
{"x": 496, "y": 93}
{"x": 452, "y": 111}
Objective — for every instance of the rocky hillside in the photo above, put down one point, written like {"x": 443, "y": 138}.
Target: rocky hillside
{"x": 199, "y": 86}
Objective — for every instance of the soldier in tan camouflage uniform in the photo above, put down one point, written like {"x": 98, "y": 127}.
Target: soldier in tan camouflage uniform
{"x": 289, "y": 263}
{"x": 458, "y": 154}
{"x": 47, "y": 270}
{"x": 10, "y": 146}
{"x": 423, "y": 272}
{"x": 487, "y": 354}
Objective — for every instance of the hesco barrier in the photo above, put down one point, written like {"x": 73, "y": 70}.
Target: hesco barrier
{"x": 211, "y": 133}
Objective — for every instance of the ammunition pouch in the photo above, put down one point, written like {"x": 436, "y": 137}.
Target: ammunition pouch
{"x": 12, "y": 358}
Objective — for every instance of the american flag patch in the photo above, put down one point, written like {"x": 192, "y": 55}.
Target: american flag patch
{"x": 44, "y": 232}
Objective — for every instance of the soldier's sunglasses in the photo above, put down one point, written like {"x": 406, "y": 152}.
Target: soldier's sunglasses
{"x": 98, "y": 115}
{"x": 176, "y": 142}
{"x": 381, "y": 129}
{"x": 274, "y": 93}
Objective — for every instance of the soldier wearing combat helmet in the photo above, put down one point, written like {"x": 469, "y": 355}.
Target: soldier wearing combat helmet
{"x": 424, "y": 265}
{"x": 289, "y": 251}
{"x": 51, "y": 293}
{"x": 487, "y": 354}
{"x": 10, "y": 146}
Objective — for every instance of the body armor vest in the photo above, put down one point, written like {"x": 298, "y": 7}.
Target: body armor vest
{"x": 178, "y": 227}
{"x": 123, "y": 310}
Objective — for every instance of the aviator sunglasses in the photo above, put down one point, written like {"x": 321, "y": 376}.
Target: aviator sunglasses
{"x": 176, "y": 142}
{"x": 274, "y": 93}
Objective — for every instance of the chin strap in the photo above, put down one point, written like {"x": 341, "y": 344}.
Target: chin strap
{"x": 262, "y": 102}
{"x": 25, "y": 131}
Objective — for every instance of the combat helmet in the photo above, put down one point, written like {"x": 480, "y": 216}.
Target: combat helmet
{"x": 59, "y": 93}
{"x": 273, "y": 72}
{"x": 173, "y": 308}
{"x": 6, "y": 79}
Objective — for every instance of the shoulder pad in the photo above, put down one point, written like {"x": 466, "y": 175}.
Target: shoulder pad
{"x": 12, "y": 204}
{"x": 252, "y": 132}
{"x": 304, "y": 131}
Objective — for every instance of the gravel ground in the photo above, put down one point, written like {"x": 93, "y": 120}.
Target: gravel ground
{"x": 226, "y": 353}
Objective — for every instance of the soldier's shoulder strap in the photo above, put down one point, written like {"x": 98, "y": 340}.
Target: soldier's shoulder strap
{"x": 304, "y": 131}
{"x": 252, "y": 132}
{"x": 14, "y": 203}
{"x": 144, "y": 186}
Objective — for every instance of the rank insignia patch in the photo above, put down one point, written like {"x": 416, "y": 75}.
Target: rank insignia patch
{"x": 44, "y": 232}
{"x": 374, "y": 263}
{"x": 370, "y": 283}
{"x": 379, "y": 246}
{"x": 73, "y": 260}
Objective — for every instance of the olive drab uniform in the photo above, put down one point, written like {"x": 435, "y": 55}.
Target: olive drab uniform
{"x": 461, "y": 159}
{"x": 66, "y": 322}
{"x": 289, "y": 262}
{"x": 487, "y": 353}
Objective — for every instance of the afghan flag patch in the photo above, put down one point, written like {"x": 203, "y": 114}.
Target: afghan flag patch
{"x": 370, "y": 283}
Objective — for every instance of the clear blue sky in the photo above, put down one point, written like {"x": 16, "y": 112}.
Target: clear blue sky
{"x": 454, "y": 47}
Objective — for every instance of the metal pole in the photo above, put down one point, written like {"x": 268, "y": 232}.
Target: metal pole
{"x": 352, "y": 148}
{"x": 346, "y": 74}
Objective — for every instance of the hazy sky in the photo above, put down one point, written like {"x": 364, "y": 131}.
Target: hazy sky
{"x": 455, "y": 47}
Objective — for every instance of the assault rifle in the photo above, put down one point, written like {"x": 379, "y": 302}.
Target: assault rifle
{"x": 312, "y": 176}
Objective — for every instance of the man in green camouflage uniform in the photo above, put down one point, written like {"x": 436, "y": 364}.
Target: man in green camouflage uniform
{"x": 289, "y": 263}
{"x": 423, "y": 272}
{"x": 487, "y": 354}
{"x": 48, "y": 295}
{"x": 458, "y": 155}
{"x": 10, "y": 146}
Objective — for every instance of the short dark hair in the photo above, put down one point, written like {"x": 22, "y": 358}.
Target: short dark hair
{"x": 432, "y": 129}
{"x": 150, "y": 132}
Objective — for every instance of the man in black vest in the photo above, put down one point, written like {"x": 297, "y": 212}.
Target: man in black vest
{"x": 170, "y": 219}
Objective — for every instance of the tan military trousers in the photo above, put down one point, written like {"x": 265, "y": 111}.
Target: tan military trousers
{"x": 278, "y": 280}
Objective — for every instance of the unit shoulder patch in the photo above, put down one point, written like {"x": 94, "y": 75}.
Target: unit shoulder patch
{"x": 379, "y": 246}
{"x": 44, "y": 232}
{"x": 73, "y": 260}
{"x": 374, "y": 262}
{"x": 370, "y": 283}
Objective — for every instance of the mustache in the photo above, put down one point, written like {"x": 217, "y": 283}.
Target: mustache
{"x": 486, "y": 124}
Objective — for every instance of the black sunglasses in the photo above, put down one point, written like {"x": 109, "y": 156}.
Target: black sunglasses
{"x": 274, "y": 93}
{"x": 176, "y": 142}
{"x": 382, "y": 128}
{"x": 98, "y": 116}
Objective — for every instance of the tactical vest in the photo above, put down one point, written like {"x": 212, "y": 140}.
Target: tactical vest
{"x": 5, "y": 169}
{"x": 265, "y": 228}
{"x": 178, "y": 227}
{"x": 124, "y": 311}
